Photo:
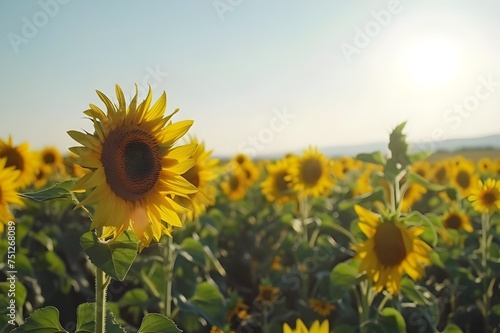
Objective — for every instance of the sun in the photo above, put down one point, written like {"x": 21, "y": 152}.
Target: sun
{"x": 433, "y": 63}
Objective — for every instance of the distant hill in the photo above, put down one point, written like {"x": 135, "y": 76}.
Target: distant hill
{"x": 451, "y": 145}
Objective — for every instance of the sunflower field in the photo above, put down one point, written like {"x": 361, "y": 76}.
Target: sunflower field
{"x": 139, "y": 229}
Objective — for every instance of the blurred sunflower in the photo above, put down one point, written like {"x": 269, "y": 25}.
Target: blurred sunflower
{"x": 485, "y": 165}
{"x": 343, "y": 165}
{"x": 456, "y": 220}
{"x": 422, "y": 168}
{"x": 412, "y": 194}
{"x": 201, "y": 176}
{"x": 277, "y": 186}
{"x": 22, "y": 159}
{"x": 8, "y": 192}
{"x": 42, "y": 176}
{"x": 246, "y": 166}
{"x": 363, "y": 184}
{"x": 300, "y": 327}
{"x": 234, "y": 186}
{"x": 486, "y": 197}
{"x": 441, "y": 172}
{"x": 134, "y": 166}
{"x": 52, "y": 158}
{"x": 310, "y": 173}
{"x": 267, "y": 295}
{"x": 73, "y": 169}
{"x": 463, "y": 177}
{"x": 390, "y": 251}
{"x": 321, "y": 307}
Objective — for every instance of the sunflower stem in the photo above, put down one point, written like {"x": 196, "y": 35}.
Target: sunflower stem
{"x": 485, "y": 226}
{"x": 169, "y": 261}
{"x": 364, "y": 315}
{"x": 101, "y": 285}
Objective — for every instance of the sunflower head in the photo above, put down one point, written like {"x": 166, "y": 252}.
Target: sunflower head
{"x": 391, "y": 249}
{"x": 456, "y": 220}
{"x": 135, "y": 168}
{"x": 344, "y": 165}
{"x": 485, "y": 197}
{"x": 22, "y": 159}
{"x": 422, "y": 168}
{"x": 311, "y": 173}
{"x": 321, "y": 307}
{"x": 8, "y": 192}
{"x": 52, "y": 158}
{"x": 235, "y": 184}
{"x": 485, "y": 165}
{"x": 277, "y": 186}
{"x": 441, "y": 172}
{"x": 463, "y": 176}
{"x": 267, "y": 295}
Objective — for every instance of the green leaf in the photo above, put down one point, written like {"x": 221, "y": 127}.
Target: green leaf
{"x": 156, "y": 323}
{"x": 377, "y": 194}
{"x": 342, "y": 278}
{"x": 392, "y": 320}
{"x": 45, "y": 320}
{"x": 496, "y": 310}
{"x": 59, "y": 190}
{"x": 420, "y": 156}
{"x": 415, "y": 293}
{"x": 413, "y": 177}
{"x": 193, "y": 251}
{"x": 207, "y": 302}
{"x": 114, "y": 257}
{"x": 20, "y": 292}
{"x": 85, "y": 320}
{"x": 452, "y": 328}
{"x": 375, "y": 158}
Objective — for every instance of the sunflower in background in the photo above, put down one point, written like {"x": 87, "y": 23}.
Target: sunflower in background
{"x": 311, "y": 173}
{"x": 344, "y": 165}
{"x": 42, "y": 176}
{"x": 321, "y": 307}
{"x": 440, "y": 172}
{"x": 235, "y": 184}
{"x": 22, "y": 159}
{"x": 485, "y": 166}
{"x": 485, "y": 197}
{"x": 246, "y": 166}
{"x": 463, "y": 177}
{"x": 390, "y": 251}
{"x": 201, "y": 176}
{"x": 456, "y": 220}
{"x": 422, "y": 168}
{"x": 8, "y": 192}
{"x": 300, "y": 327}
{"x": 52, "y": 158}
{"x": 73, "y": 169}
{"x": 412, "y": 194}
{"x": 277, "y": 186}
{"x": 135, "y": 167}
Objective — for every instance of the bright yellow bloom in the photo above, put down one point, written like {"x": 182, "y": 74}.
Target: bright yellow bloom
{"x": 277, "y": 186}
{"x": 413, "y": 193}
{"x": 463, "y": 177}
{"x": 201, "y": 176}
{"x": 8, "y": 193}
{"x": 486, "y": 197}
{"x": 267, "y": 295}
{"x": 235, "y": 184}
{"x": 456, "y": 220}
{"x": 52, "y": 158}
{"x": 343, "y": 165}
{"x": 310, "y": 173}
{"x": 22, "y": 159}
{"x": 134, "y": 167}
{"x": 321, "y": 307}
{"x": 422, "y": 168}
{"x": 300, "y": 327}
{"x": 245, "y": 165}
{"x": 390, "y": 251}
{"x": 485, "y": 165}
{"x": 441, "y": 172}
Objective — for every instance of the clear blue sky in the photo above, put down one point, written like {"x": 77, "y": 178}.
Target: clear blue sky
{"x": 337, "y": 73}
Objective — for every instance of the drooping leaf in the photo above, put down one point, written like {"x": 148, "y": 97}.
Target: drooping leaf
{"x": 156, "y": 323}
{"x": 45, "y": 320}
{"x": 342, "y": 278}
{"x": 114, "y": 257}
{"x": 57, "y": 191}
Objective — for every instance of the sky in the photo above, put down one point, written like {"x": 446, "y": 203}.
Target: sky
{"x": 258, "y": 76}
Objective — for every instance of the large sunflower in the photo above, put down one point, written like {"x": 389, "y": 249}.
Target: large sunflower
{"x": 22, "y": 159}
{"x": 134, "y": 166}
{"x": 277, "y": 186}
{"x": 200, "y": 175}
{"x": 486, "y": 197}
{"x": 8, "y": 192}
{"x": 310, "y": 173}
{"x": 390, "y": 250}
{"x": 300, "y": 327}
{"x": 463, "y": 177}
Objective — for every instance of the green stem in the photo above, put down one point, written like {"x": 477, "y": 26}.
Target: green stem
{"x": 487, "y": 293}
{"x": 101, "y": 285}
{"x": 364, "y": 314}
{"x": 169, "y": 261}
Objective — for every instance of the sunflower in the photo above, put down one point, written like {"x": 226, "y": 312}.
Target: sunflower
{"x": 440, "y": 172}
{"x": 22, "y": 159}
{"x": 390, "y": 250}
{"x": 321, "y": 307}
{"x": 463, "y": 177}
{"x": 267, "y": 295}
{"x": 277, "y": 186}
{"x": 42, "y": 176}
{"x": 200, "y": 175}
{"x": 486, "y": 197}
{"x": 52, "y": 158}
{"x": 422, "y": 168}
{"x": 235, "y": 185}
{"x": 8, "y": 194}
{"x": 456, "y": 220}
{"x": 247, "y": 167}
{"x": 134, "y": 166}
{"x": 310, "y": 173}
{"x": 300, "y": 327}
{"x": 363, "y": 184}
{"x": 413, "y": 193}
{"x": 343, "y": 165}
{"x": 239, "y": 310}
{"x": 485, "y": 165}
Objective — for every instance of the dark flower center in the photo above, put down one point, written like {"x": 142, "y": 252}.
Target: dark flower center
{"x": 311, "y": 171}
{"x": 14, "y": 158}
{"x": 463, "y": 179}
{"x": 453, "y": 221}
{"x": 192, "y": 176}
{"x": 489, "y": 198}
{"x": 389, "y": 245}
{"x": 132, "y": 162}
{"x": 49, "y": 158}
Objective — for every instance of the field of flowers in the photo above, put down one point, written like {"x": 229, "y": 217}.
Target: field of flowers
{"x": 139, "y": 229}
